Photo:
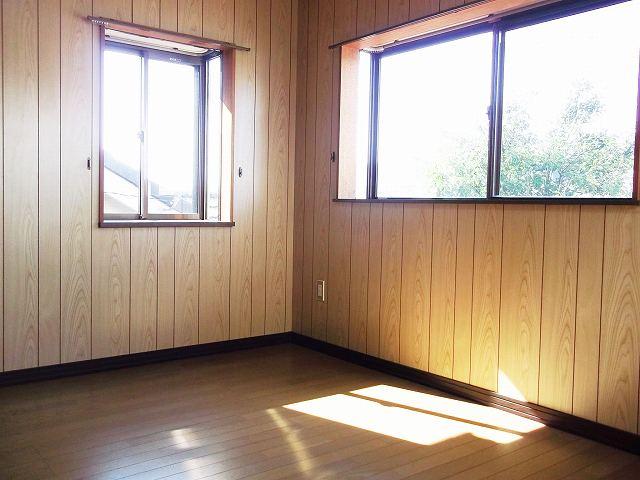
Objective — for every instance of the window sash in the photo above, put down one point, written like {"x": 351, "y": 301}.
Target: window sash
{"x": 494, "y": 140}
{"x": 200, "y": 64}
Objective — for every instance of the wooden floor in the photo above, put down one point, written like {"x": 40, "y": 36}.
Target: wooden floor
{"x": 271, "y": 413}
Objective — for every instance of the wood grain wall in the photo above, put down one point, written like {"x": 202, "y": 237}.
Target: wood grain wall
{"x": 541, "y": 303}
{"x": 73, "y": 291}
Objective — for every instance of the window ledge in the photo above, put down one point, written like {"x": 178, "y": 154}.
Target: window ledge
{"x": 162, "y": 223}
{"x": 503, "y": 200}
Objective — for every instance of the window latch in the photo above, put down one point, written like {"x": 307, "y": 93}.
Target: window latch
{"x": 141, "y": 135}
{"x": 333, "y": 157}
{"x": 88, "y": 163}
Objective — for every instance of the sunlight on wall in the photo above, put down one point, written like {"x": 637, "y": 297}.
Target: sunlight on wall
{"x": 471, "y": 412}
{"x": 507, "y": 388}
{"x": 408, "y": 424}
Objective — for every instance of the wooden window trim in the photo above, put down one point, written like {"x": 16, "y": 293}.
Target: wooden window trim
{"x": 167, "y": 35}
{"x": 228, "y": 56}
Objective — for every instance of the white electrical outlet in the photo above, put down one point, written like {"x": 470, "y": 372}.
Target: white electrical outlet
{"x": 320, "y": 290}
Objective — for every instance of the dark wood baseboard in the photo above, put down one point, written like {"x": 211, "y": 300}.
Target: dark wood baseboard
{"x": 552, "y": 418}
{"x": 136, "y": 359}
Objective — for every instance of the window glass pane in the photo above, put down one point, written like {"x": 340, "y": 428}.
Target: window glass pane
{"x": 121, "y": 131}
{"x": 433, "y": 124}
{"x": 569, "y": 105}
{"x": 172, "y": 138}
{"x": 214, "y": 138}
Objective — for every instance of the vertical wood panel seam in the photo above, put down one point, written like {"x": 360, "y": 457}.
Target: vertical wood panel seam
{"x": 455, "y": 290}
{"x": 604, "y": 237}
{"x": 2, "y": 166}
{"x": 304, "y": 164}
{"x": 473, "y": 274}
{"x": 400, "y": 289}
{"x": 268, "y": 144}
{"x": 60, "y": 174}
{"x": 430, "y": 294}
{"x": 174, "y": 279}
{"x": 37, "y": 216}
{"x": 330, "y": 99}
{"x": 575, "y": 314}
{"x": 380, "y": 281}
{"x": 315, "y": 126}
{"x": 544, "y": 227}
{"x": 500, "y": 293}
{"x": 157, "y": 270}
{"x": 293, "y": 105}
{"x": 91, "y": 189}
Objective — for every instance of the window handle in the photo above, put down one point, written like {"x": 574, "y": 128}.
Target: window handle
{"x": 141, "y": 135}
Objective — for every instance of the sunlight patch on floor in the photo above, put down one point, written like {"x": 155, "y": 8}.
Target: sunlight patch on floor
{"x": 398, "y": 421}
{"x": 461, "y": 410}
{"x": 291, "y": 436}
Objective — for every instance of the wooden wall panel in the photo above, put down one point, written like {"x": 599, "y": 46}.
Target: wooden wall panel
{"x": 366, "y": 12}
{"x": 48, "y": 181}
{"x": 324, "y": 92}
{"x": 522, "y": 257}
{"x": 301, "y": 64}
{"x": 382, "y": 14}
{"x": 20, "y": 32}
{"x": 398, "y": 11}
{"x": 588, "y": 308}
{"x": 443, "y": 289}
{"x": 291, "y": 173}
{"x": 169, "y": 14}
{"x": 218, "y": 18}
{"x": 449, "y": 4}
{"x": 261, "y": 169}
{"x": 75, "y": 115}
{"x": 213, "y": 316}
{"x": 166, "y": 287}
{"x": 339, "y": 213}
{"x": 560, "y": 275}
{"x": 375, "y": 274}
{"x": 242, "y": 233}
{"x": 190, "y": 17}
{"x": 308, "y": 290}
{"x": 417, "y": 241}
{"x": 422, "y": 8}
{"x": 464, "y": 292}
{"x": 144, "y": 289}
{"x": 277, "y": 187}
{"x": 620, "y": 335}
{"x": 111, "y": 287}
{"x": 391, "y": 283}
{"x": 359, "y": 278}
{"x": 146, "y": 12}
{"x": 187, "y": 258}
{"x": 485, "y": 319}
{"x": 117, "y": 9}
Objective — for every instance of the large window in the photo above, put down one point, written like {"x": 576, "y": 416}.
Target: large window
{"x": 542, "y": 104}
{"x": 162, "y": 134}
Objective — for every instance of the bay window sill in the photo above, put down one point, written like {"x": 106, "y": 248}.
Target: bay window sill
{"x": 162, "y": 223}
